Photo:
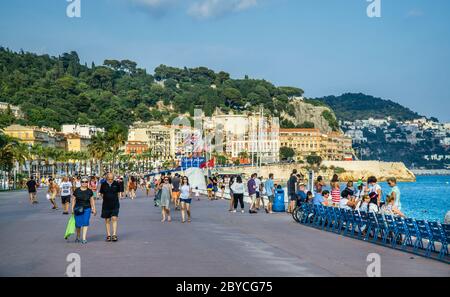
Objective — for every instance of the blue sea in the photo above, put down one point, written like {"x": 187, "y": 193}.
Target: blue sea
{"x": 428, "y": 198}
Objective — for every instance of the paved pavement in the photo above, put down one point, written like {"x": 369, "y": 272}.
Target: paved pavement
{"x": 216, "y": 243}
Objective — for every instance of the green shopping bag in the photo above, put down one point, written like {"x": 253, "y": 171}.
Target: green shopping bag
{"x": 70, "y": 229}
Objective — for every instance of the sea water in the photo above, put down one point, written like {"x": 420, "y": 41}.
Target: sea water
{"x": 428, "y": 198}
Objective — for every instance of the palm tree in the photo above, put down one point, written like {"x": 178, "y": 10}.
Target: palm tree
{"x": 83, "y": 157}
{"x": 65, "y": 158}
{"x": 59, "y": 156}
{"x": 147, "y": 155}
{"x": 98, "y": 149}
{"x": 243, "y": 155}
{"x": 139, "y": 160}
{"x": 72, "y": 157}
{"x": 116, "y": 138}
{"x": 37, "y": 152}
{"x": 14, "y": 151}
{"x": 127, "y": 161}
{"x": 21, "y": 153}
{"x": 51, "y": 155}
{"x": 12, "y": 154}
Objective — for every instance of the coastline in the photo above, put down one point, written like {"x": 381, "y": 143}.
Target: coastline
{"x": 353, "y": 170}
{"x": 429, "y": 172}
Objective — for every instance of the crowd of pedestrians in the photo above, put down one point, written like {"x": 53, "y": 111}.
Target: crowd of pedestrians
{"x": 171, "y": 193}
{"x": 367, "y": 196}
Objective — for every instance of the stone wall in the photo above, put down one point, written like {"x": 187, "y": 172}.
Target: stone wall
{"x": 353, "y": 170}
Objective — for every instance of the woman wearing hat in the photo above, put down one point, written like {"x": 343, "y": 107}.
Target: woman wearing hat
{"x": 82, "y": 205}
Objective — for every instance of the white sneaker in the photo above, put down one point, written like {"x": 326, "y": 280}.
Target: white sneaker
{"x": 242, "y": 211}
{"x": 234, "y": 210}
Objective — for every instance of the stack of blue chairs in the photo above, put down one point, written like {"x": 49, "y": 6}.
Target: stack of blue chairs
{"x": 417, "y": 236}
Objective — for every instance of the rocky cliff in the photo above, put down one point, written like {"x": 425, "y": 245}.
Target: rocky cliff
{"x": 310, "y": 113}
{"x": 354, "y": 170}
{"x": 382, "y": 170}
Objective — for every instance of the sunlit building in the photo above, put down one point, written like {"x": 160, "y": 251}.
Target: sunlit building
{"x": 333, "y": 146}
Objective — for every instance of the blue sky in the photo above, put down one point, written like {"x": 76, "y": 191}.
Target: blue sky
{"x": 326, "y": 47}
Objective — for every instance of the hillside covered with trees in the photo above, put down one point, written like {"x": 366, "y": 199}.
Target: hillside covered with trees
{"x": 358, "y": 106}
{"x": 52, "y": 91}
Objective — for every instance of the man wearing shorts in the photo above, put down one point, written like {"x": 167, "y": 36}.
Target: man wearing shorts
{"x": 32, "y": 189}
{"x": 66, "y": 194}
{"x": 176, "y": 191}
{"x": 269, "y": 186}
{"x": 110, "y": 208}
{"x": 251, "y": 187}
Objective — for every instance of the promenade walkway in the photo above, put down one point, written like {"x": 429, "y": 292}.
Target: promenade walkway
{"x": 216, "y": 243}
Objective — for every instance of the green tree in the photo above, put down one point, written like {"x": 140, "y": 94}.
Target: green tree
{"x": 116, "y": 138}
{"x": 98, "y": 149}
{"x": 314, "y": 160}
{"x": 6, "y": 117}
{"x": 331, "y": 119}
{"x": 286, "y": 153}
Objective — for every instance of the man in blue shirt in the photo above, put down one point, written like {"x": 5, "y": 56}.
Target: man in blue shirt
{"x": 301, "y": 194}
{"x": 321, "y": 199}
{"x": 269, "y": 186}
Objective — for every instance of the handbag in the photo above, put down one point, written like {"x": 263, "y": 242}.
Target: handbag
{"x": 70, "y": 228}
{"x": 78, "y": 210}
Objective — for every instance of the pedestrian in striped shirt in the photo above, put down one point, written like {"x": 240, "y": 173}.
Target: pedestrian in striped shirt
{"x": 335, "y": 191}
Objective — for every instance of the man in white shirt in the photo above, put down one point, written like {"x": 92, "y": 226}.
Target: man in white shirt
{"x": 347, "y": 201}
{"x": 66, "y": 194}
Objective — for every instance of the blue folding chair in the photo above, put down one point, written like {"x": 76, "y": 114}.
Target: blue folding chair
{"x": 330, "y": 218}
{"x": 413, "y": 231}
{"x": 310, "y": 217}
{"x": 343, "y": 222}
{"x": 350, "y": 222}
{"x": 356, "y": 223}
{"x": 425, "y": 233}
{"x": 305, "y": 213}
{"x": 327, "y": 217}
{"x": 364, "y": 221}
{"x": 315, "y": 214}
{"x": 372, "y": 227}
{"x": 383, "y": 227}
{"x": 337, "y": 220}
{"x": 444, "y": 248}
{"x": 392, "y": 229}
{"x": 316, "y": 218}
{"x": 438, "y": 235}
{"x": 402, "y": 230}
{"x": 324, "y": 216}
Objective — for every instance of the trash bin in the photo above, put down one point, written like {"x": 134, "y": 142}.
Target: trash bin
{"x": 278, "y": 202}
